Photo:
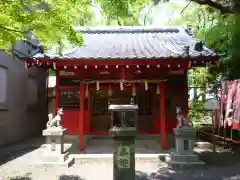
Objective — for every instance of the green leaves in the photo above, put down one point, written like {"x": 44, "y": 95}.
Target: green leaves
{"x": 123, "y": 12}
{"x": 51, "y": 26}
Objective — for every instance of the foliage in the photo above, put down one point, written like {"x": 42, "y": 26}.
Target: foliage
{"x": 196, "y": 112}
{"x": 220, "y": 32}
{"x": 57, "y": 21}
{"x": 210, "y": 25}
{"x": 122, "y": 12}
{"x": 131, "y": 12}
{"x": 198, "y": 18}
{"x": 51, "y": 26}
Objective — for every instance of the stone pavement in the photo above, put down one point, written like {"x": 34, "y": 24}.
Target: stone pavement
{"x": 93, "y": 170}
{"x": 22, "y": 165}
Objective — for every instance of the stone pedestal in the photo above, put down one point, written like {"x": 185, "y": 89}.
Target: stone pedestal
{"x": 184, "y": 155}
{"x": 54, "y": 153}
{"x": 124, "y": 152}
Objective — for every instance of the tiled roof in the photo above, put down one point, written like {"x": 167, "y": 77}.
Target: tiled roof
{"x": 134, "y": 43}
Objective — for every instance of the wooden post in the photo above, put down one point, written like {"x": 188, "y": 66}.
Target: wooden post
{"x": 57, "y": 91}
{"x": 162, "y": 117}
{"x": 217, "y": 120}
{"x": 81, "y": 117}
{"x": 213, "y": 131}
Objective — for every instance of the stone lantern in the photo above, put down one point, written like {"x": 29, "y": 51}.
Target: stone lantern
{"x": 123, "y": 132}
{"x": 211, "y": 105}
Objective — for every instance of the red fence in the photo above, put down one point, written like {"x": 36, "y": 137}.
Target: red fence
{"x": 230, "y": 104}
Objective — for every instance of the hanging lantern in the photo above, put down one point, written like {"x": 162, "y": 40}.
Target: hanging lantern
{"x": 121, "y": 86}
{"x": 158, "y": 89}
{"x": 97, "y": 86}
{"x": 133, "y": 90}
{"x": 146, "y": 85}
{"x": 86, "y": 91}
{"x": 109, "y": 90}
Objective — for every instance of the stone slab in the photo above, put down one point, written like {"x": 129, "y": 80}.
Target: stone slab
{"x": 69, "y": 162}
{"x": 52, "y": 157}
{"x": 184, "y": 158}
{"x": 98, "y": 158}
{"x": 54, "y": 132}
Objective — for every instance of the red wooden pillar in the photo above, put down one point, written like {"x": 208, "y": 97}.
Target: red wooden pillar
{"x": 81, "y": 117}
{"x": 89, "y": 110}
{"x": 162, "y": 117}
{"x": 57, "y": 93}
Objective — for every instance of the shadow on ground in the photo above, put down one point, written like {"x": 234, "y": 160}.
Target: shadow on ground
{"x": 62, "y": 177}
{"x": 207, "y": 173}
{"x": 21, "y": 178}
{"x": 223, "y": 157}
{"x": 196, "y": 174}
{"x": 18, "y": 153}
{"x": 18, "y": 149}
{"x": 70, "y": 177}
{"x": 220, "y": 158}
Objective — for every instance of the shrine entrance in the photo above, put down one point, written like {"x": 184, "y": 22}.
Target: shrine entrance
{"x": 100, "y": 118}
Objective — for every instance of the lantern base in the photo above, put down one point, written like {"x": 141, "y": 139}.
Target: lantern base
{"x": 54, "y": 150}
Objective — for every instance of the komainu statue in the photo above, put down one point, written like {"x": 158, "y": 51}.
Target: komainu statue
{"x": 55, "y": 122}
{"x": 181, "y": 119}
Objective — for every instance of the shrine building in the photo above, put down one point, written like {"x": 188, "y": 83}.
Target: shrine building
{"x": 143, "y": 66}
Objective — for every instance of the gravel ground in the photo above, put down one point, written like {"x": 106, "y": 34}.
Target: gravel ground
{"x": 94, "y": 170}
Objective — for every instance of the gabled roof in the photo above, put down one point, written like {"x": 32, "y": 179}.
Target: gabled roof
{"x": 135, "y": 43}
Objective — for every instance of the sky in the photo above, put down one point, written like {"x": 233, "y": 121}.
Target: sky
{"x": 163, "y": 13}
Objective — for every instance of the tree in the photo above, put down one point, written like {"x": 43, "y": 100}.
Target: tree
{"x": 123, "y": 12}
{"x": 52, "y": 25}
{"x": 224, "y": 6}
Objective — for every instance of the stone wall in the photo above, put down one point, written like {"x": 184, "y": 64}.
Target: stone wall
{"x": 23, "y": 106}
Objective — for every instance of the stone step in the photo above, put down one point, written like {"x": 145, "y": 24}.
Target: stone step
{"x": 69, "y": 162}
{"x": 48, "y": 157}
{"x": 184, "y": 158}
{"x": 175, "y": 164}
{"x": 98, "y": 158}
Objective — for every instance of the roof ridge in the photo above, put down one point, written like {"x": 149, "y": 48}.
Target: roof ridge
{"x": 127, "y": 29}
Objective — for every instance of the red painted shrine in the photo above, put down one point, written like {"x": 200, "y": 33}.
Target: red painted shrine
{"x": 145, "y": 66}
